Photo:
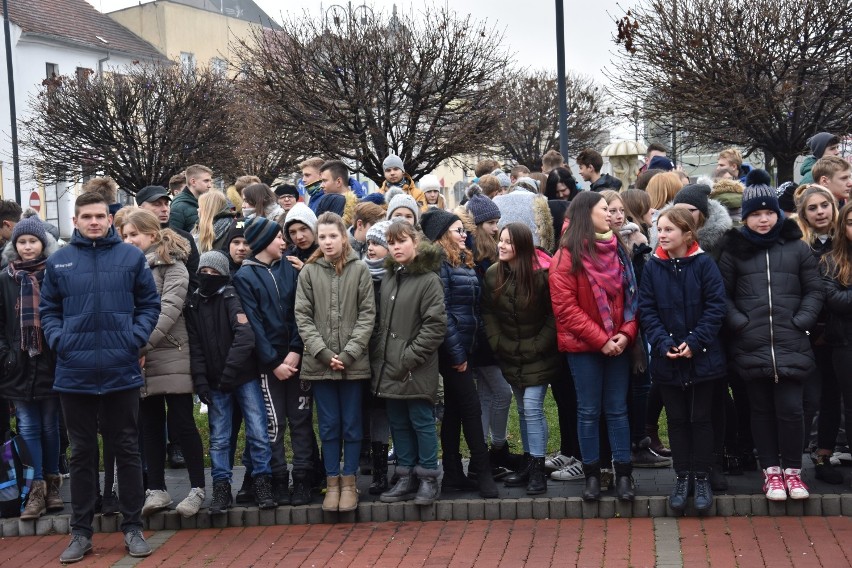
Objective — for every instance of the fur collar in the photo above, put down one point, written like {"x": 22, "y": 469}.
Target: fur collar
{"x": 10, "y": 253}
{"x": 741, "y": 248}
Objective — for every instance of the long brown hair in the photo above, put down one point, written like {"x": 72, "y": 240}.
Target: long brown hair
{"x": 579, "y": 237}
{"x": 637, "y": 203}
{"x": 330, "y": 218}
{"x": 484, "y": 245}
{"x": 168, "y": 242}
{"x": 839, "y": 260}
{"x": 521, "y": 270}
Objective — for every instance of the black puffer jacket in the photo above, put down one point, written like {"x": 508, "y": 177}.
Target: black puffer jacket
{"x": 774, "y": 298}
{"x": 461, "y": 300}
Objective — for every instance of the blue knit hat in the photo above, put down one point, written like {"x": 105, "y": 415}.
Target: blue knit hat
{"x": 482, "y": 209}
{"x": 31, "y": 226}
{"x": 260, "y": 232}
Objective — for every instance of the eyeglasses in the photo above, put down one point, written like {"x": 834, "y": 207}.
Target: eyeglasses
{"x": 461, "y": 231}
{"x": 288, "y": 197}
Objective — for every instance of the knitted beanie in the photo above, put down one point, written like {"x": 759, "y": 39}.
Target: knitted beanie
{"x": 31, "y": 226}
{"x": 695, "y": 194}
{"x": 378, "y": 233}
{"x": 375, "y": 197}
{"x": 505, "y": 181}
{"x": 435, "y": 223}
{"x": 260, "y": 232}
{"x": 393, "y": 161}
{"x": 430, "y": 182}
{"x": 661, "y": 163}
{"x": 406, "y": 201}
{"x": 482, "y": 209}
{"x": 757, "y": 197}
{"x": 301, "y": 213}
{"x": 215, "y": 259}
{"x": 235, "y": 231}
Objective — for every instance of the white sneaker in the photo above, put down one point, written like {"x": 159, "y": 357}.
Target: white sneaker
{"x": 558, "y": 462}
{"x": 773, "y": 485}
{"x": 190, "y": 506}
{"x": 155, "y": 500}
{"x": 202, "y": 409}
{"x": 795, "y": 486}
{"x": 572, "y": 471}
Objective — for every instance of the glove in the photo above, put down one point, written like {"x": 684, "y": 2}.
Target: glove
{"x": 203, "y": 392}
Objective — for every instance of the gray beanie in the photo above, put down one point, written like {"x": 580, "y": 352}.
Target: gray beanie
{"x": 404, "y": 200}
{"x": 378, "y": 233}
{"x": 300, "y": 213}
{"x": 393, "y": 161}
{"x": 215, "y": 259}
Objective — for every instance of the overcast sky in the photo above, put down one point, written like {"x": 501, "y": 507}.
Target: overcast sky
{"x": 529, "y": 24}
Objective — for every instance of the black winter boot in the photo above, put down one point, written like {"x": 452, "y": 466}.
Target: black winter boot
{"x": 624, "y": 489}
{"x": 281, "y": 488}
{"x": 380, "y": 468}
{"x": 677, "y": 500}
{"x": 592, "y": 471}
{"x": 302, "y": 487}
{"x": 221, "y": 497}
{"x": 538, "y": 478}
{"x": 454, "y": 477}
{"x": 263, "y": 492}
{"x": 487, "y": 487}
{"x": 521, "y": 477}
{"x": 503, "y": 457}
{"x": 245, "y": 496}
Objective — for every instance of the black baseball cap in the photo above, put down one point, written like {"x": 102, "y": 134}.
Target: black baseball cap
{"x": 151, "y": 193}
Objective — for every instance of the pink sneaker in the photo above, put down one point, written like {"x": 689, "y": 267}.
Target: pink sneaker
{"x": 795, "y": 486}
{"x": 774, "y": 484}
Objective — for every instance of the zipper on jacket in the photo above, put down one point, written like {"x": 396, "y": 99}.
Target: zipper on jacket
{"x": 771, "y": 325}
{"x": 98, "y": 311}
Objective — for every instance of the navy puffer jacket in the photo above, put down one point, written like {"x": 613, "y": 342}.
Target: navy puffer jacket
{"x": 98, "y": 307}
{"x": 683, "y": 300}
{"x": 461, "y": 300}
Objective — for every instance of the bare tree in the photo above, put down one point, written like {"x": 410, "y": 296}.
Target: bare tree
{"x": 529, "y": 126}
{"x": 140, "y": 127}
{"x": 425, "y": 88}
{"x": 761, "y": 74}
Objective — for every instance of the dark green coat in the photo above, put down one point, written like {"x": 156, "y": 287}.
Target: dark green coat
{"x": 184, "y": 211}
{"x": 522, "y": 337}
{"x": 404, "y": 351}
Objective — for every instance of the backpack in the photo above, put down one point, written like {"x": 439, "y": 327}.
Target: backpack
{"x": 16, "y": 477}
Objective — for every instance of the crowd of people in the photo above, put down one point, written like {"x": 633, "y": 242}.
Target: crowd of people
{"x": 399, "y": 326}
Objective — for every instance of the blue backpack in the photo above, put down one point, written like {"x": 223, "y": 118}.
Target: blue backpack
{"x": 16, "y": 476}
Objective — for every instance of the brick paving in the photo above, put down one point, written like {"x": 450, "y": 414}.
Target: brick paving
{"x": 692, "y": 542}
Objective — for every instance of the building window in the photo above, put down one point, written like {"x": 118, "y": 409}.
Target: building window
{"x": 187, "y": 61}
{"x": 51, "y": 71}
{"x": 218, "y": 65}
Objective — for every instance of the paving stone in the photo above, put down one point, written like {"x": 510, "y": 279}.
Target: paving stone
{"x": 443, "y": 510}
{"x": 796, "y": 507}
{"x": 299, "y": 515}
{"x": 44, "y": 526}
{"x": 590, "y": 509}
{"x": 574, "y": 508}
{"x": 524, "y": 508}
{"x": 62, "y": 524}
{"x": 314, "y": 514}
{"x": 759, "y": 506}
{"x": 156, "y": 522}
{"x": 476, "y": 510}
{"x": 329, "y": 517}
{"x": 428, "y": 512}
{"x": 411, "y": 512}
{"x": 657, "y": 506}
{"x": 282, "y": 515}
{"x": 508, "y": 509}
{"x": 365, "y": 512}
{"x": 775, "y": 508}
{"x": 396, "y": 512}
{"x": 492, "y": 510}
{"x": 641, "y": 507}
{"x": 606, "y": 508}
{"x": 96, "y": 524}
{"x": 380, "y": 512}
{"x": 188, "y": 522}
{"x": 460, "y": 509}
{"x": 171, "y": 520}
{"x": 556, "y": 507}
{"x": 812, "y": 506}
{"x": 10, "y": 527}
{"x": 203, "y": 520}
{"x": 541, "y": 509}
{"x": 26, "y": 528}
{"x": 251, "y": 517}
{"x": 266, "y": 517}
{"x": 724, "y": 505}
{"x": 742, "y": 505}
{"x": 109, "y": 523}
{"x": 623, "y": 509}
{"x": 846, "y": 505}
{"x": 830, "y": 505}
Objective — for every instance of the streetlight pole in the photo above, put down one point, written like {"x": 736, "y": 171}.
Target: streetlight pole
{"x": 13, "y": 113}
{"x": 560, "y": 79}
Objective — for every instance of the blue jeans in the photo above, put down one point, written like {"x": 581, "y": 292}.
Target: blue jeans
{"x": 249, "y": 398}
{"x": 38, "y": 425}
{"x": 339, "y": 419}
{"x": 495, "y": 398}
{"x": 601, "y": 383}
{"x": 534, "y": 432}
{"x": 415, "y": 436}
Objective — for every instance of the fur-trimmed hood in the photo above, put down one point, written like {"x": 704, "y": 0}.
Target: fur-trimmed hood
{"x": 717, "y": 223}
{"x": 10, "y": 253}
{"x": 428, "y": 259}
{"x": 349, "y": 208}
{"x": 723, "y": 186}
{"x": 740, "y": 247}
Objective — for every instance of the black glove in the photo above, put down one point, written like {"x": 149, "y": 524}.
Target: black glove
{"x": 203, "y": 392}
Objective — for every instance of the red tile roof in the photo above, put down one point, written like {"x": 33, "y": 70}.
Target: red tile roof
{"x": 79, "y": 22}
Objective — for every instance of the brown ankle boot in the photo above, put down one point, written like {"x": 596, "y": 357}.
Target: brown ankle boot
{"x": 35, "y": 501}
{"x": 332, "y": 494}
{"x": 348, "y": 494}
{"x": 52, "y": 500}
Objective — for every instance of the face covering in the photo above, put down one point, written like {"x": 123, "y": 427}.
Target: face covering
{"x": 248, "y": 212}
{"x": 211, "y": 284}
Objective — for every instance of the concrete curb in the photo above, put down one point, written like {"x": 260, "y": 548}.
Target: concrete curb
{"x": 824, "y": 505}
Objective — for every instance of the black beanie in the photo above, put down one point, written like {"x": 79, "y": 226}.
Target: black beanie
{"x": 435, "y": 223}
{"x": 695, "y": 194}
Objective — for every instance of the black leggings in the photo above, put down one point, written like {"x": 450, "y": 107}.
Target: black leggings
{"x": 565, "y": 397}
{"x": 842, "y": 358}
{"x": 688, "y": 414}
{"x": 462, "y": 411}
{"x": 153, "y": 411}
{"x": 776, "y": 421}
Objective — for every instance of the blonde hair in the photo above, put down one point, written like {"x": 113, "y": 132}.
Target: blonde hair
{"x": 733, "y": 156}
{"x": 167, "y": 241}
{"x": 120, "y": 218}
{"x": 809, "y": 235}
{"x": 331, "y": 218}
{"x": 210, "y": 204}
{"x": 662, "y": 188}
